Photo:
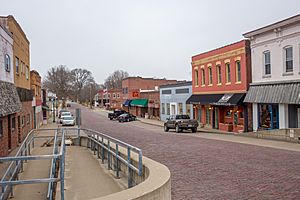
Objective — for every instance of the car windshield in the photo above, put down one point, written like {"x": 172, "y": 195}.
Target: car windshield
{"x": 68, "y": 118}
{"x": 123, "y": 115}
{"x": 66, "y": 113}
{"x": 182, "y": 117}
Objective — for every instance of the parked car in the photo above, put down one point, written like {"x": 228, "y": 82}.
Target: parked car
{"x": 127, "y": 117}
{"x": 180, "y": 123}
{"x": 116, "y": 114}
{"x": 68, "y": 120}
{"x": 61, "y": 111}
{"x": 64, "y": 114}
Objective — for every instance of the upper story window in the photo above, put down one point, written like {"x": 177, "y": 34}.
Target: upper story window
{"x": 219, "y": 74}
{"x": 1, "y": 127}
{"x": 288, "y": 59}
{"x": 17, "y": 65}
{"x": 238, "y": 71}
{"x": 267, "y": 62}
{"x": 210, "y": 79}
{"x": 196, "y": 77}
{"x": 118, "y": 95}
{"x": 227, "y": 68}
{"x": 114, "y": 95}
{"x": 7, "y": 63}
{"x": 27, "y": 72}
{"x": 202, "y": 77}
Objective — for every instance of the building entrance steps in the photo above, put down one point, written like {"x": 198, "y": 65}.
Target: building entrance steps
{"x": 84, "y": 177}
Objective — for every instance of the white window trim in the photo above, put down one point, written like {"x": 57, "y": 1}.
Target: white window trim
{"x": 284, "y": 59}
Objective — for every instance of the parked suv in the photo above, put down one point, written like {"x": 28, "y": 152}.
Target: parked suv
{"x": 116, "y": 114}
{"x": 180, "y": 123}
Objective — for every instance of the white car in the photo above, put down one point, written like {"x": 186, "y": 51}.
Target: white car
{"x": 64, "y": 114}
{"x": 68, "y": 120}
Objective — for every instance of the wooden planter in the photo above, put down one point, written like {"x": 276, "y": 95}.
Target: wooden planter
{"x": 226, "y": 127}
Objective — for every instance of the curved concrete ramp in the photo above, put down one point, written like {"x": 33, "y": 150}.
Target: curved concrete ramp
{"x": 84, "y": 177}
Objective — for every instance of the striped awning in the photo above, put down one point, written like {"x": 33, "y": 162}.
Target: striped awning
{"x": 288, "y": 93}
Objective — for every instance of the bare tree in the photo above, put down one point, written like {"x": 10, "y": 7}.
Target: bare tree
{"x": 114, "y": 80}
{"x": 80, "y": 77}
{"x": 58, "y": 81}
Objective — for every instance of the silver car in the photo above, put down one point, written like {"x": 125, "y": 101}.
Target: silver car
{"x": 68, "y": 121}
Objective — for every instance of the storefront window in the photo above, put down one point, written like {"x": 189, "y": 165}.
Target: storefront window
{"x": 188, "y": 110}
{"x": 228, "y": 113}
{"x": 268, "y": 116}
{"x": 168, "y": 109}
{"x": 180, "y": 109}
{"x": 163, "y": 108}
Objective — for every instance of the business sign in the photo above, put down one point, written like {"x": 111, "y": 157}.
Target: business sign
{"x": 135, "y": 94}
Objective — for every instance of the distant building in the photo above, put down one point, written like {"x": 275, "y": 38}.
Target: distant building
{"x": 21, "y": 69}
{"x": 110, "y": 99}
{"x": 131, "y": 92}
{"x": 221, "y": 78}
{"x": 36, "y": 88}
{"x": 10, "y": 102}
{"x": 173, "y": 99}
{"x": 275, "y": 89}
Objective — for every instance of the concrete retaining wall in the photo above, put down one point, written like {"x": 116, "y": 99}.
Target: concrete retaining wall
{"x": 154, "y": 184}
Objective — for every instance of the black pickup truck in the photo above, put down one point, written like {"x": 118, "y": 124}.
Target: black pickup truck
{"x": 116, "y": 114}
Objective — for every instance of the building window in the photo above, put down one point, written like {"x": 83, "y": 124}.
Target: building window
{"x": 163, "y": 108}
{"x": 118, "y": 95}
{"x": 207, "y": 117}
{"x": 166, "y": 92}
{"x": 238, "y": 71}
{"x": 182, "y": 91}
{"x": 108, "y": 95}
{"x": 227, "y": 68}
{"x": 7, "y": 63}
{"x": 267, "y": 62}
{"x": 196, "y": 77}
{"x": 114, "y": 95}
{"x": 219, "y": 74}
{"x": 288, "y": 59}
{"x": 23, "y": 121}
{"x": 209, "y": 76}
{"x": 17, "y": 65}
{"x": 27, "y": 72}
{"x": 13, "y": 123}
{"x": 28, "y": 119}
{"x": 202, "y": 77}
{"x": 188, "y": 110}
{"x": 180, "y": 109}
{"x": 168, "y": 109}
{"x": 1, "y": 128}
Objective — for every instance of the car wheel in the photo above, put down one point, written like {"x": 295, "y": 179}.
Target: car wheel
{"x": 194, "y": 130}
{"x": 166, "y": 129}
{"x": 177, "y": 129}
{"x": 111, "y": 118}
{"x": 128, "y": 120}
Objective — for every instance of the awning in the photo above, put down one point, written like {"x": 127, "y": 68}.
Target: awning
{"x": 9, "y": 99}
{"x": 231, "y": 99}
{"x": 127, "y": 102}
{"x": 46, "y": 108}
{"x": 288, "y": 93}
{"x": 204, "y": 99}
{"x": 139, "y": 102}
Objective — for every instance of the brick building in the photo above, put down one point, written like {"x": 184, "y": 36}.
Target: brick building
{"x": 221, "y": 78}
{"x": 110, "y": 99}
{"x": 9, "y": 99}
{"x": 134, "y": 102}
{"x": 35, "y": 80}
{"x": 21, "y": 69}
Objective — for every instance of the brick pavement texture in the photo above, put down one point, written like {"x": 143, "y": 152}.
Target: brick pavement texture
{"x": 211, "y": 169}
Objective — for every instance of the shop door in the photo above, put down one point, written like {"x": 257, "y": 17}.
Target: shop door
{"x": 216, "y": 117}
{"x": 9, "y": 131}
{"x": 173, "y": 109}
{"x": 298, "y": 117}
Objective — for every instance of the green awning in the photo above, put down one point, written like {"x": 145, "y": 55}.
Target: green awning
{"x": 139, "y": 102}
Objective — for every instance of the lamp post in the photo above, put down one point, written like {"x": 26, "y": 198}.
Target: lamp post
{"x": 53, "y": 108}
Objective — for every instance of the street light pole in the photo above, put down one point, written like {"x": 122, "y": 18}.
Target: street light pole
{"x": 53, "y": 110}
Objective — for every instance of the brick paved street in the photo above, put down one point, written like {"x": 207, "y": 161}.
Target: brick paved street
{"x": 210, "y": 169}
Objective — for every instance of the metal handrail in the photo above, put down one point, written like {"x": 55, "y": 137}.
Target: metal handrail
{"x": 8, "y": 181}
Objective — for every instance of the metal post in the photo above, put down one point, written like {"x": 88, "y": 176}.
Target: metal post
{"x": 117, "y": 161}
{"x": 108, "y": 155}
{"x": 102, "y": 150}
{"x": 140, "y": 163}
{"x": 98, "y": 146}
{"x": 128, "y": 168}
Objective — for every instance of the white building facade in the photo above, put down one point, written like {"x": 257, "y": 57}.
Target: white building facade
{"x": 173, "y": 99}
{"x": 275, "y": 89}
{"x": 6, "y": 56}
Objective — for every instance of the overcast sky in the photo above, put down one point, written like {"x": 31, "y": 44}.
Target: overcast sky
{"x": 153, "y": 38}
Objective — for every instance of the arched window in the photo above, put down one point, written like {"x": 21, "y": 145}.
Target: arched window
{"x": 7, "y": 63}
{"x": 219, "y": 74}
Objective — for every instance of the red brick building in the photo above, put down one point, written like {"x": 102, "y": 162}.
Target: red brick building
{"x": 221, "y": 78}
{"x": 140, "y": 93}
{"x": 110, "y": 99}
